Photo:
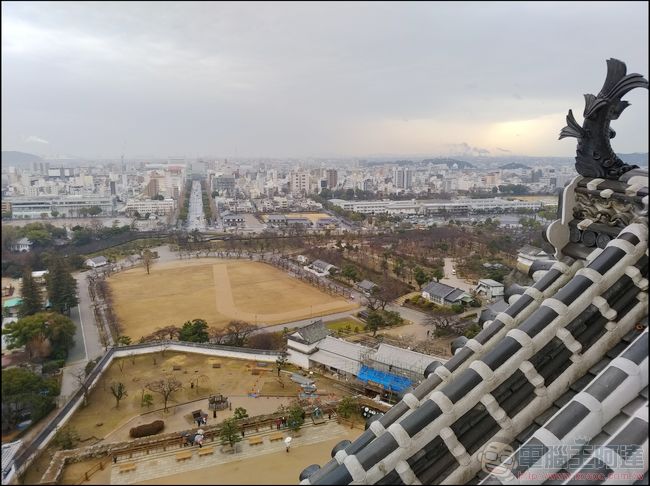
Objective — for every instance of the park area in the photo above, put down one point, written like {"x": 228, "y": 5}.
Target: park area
{"x": 217, "y": 291}
{"x": 248, "y": 384}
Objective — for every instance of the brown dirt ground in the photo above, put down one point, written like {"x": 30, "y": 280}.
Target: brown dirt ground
{"x": 274, "y": 468}
{"x": 217, "y": 291}
{"x": 234, "y": 379}
{"x": 278, "y": 468}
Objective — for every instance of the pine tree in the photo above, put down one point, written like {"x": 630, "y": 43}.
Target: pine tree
{"x": 31, "y": 296}
{"x": 61, "y": 286}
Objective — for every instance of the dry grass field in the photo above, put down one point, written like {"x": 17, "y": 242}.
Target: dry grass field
{"x": 217, "y": 291}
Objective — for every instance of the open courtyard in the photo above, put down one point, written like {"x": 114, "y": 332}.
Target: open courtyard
{"x": 102, "y": 422}
{"x": 215, "y": 290}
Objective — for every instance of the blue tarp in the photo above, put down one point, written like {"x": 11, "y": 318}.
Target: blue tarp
{"x": 387, "y": 380}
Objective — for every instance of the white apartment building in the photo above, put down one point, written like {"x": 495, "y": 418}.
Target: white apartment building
{"x": 160, "y": 208}
{"x": 429, "y": 207}
{"x": 403, "y": 178}
{"x": 67, "y": 206}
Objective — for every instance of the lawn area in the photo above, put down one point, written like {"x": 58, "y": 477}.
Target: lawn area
{"x": 346, "y": 324}
{"x": 215, "y": 290}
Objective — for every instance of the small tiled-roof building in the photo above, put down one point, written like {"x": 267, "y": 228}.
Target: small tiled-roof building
{"x": 22, "y": 245}
{"x": 491, "y": 289}
{"x": 98, "y": 261}
{"x": 366, "y": 286}
{"x": 303, "y": 342}
{"x": 321, "y": 268}
{"x": 529, "y": 254}
{"x": 444, "y": 294}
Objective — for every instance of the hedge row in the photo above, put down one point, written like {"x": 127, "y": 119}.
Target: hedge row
{"x": 147, "y": 429}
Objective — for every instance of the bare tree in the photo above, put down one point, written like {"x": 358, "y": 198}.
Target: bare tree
{"x": 80, "y": 377}
{"x": 118, "y": 389}
{"x": 217, "y": 335}
{"x": 238, "y": 331}
{"x": 147, "y": 259}
{"x": 450, "y": 323}
{"x": 373, "y": 300}
{"x": 165, "y": 387}
{"x": 388, "y": 291}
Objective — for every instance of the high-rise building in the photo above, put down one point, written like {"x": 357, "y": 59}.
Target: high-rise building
{"x": 299, "y": 182}
{"x": 402, "y": 178}
{"x": 332, "y": 178}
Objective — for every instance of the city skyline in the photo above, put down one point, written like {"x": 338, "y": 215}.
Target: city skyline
{"x": 311, "y": 80}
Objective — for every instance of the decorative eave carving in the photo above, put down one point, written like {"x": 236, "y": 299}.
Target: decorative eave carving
{"x": 594, "y": 154}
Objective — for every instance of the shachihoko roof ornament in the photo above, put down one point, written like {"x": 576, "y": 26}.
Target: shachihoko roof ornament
{"x": 594, "y": 155}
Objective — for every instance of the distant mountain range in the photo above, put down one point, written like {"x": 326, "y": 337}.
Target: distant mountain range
{"x": 12, "y": 157}
{"x": 461, "y": 164}
{"x": 513, "y": 166}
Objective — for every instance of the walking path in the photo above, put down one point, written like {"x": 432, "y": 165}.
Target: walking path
{"x": 167, "y": 463}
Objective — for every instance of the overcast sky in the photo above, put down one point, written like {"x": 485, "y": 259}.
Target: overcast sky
{"x": 312, "y": 79}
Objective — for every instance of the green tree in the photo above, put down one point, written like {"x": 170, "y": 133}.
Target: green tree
{"x": 94, "y": 210}
{"x": 350, "y": 272}
{"x": 39, "y": 237}
{"x": 66, "y": 438}
{"x": 438, "y": 274}
{"x": 296, "y": 417}
{"x": 473, "y": 330}
{"x": 26, "y": 393}
{"x": 240, "y": 413}
{"x": 392, "y": 318}
{"x": 54, "y": 213}
{"x": 31, "y": 296}
{"x": 347, "y": 407}
{"x": 10, "y": 234}
{"x": 147, "y": 400}
{"x": 281, "y": 361}
{"x": 457, "y": 308}
{"x": 195, "y": 331}
{"x": 33, "y": 331}
{"x": 61, "y": 286}
{"x": 123, "y": 340}
{"x": 229, "y": 433}
{"x": 420, "y": 276}
{"x": 118, "y": 389}
{"x": 374, "y": 321}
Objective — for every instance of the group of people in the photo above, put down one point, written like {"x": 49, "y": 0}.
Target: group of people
{"x": 193, "y": 439}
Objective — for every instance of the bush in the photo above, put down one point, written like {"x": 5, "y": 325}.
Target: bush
{"x": 144, "y": 430}
{"x": 457, "y": 308}
{"x": 53, "y": 366}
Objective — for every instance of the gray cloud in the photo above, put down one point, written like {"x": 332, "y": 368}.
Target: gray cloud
{"x": 311, "y": 78}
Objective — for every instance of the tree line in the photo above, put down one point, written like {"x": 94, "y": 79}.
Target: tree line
{"x": 236, "y": 333}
